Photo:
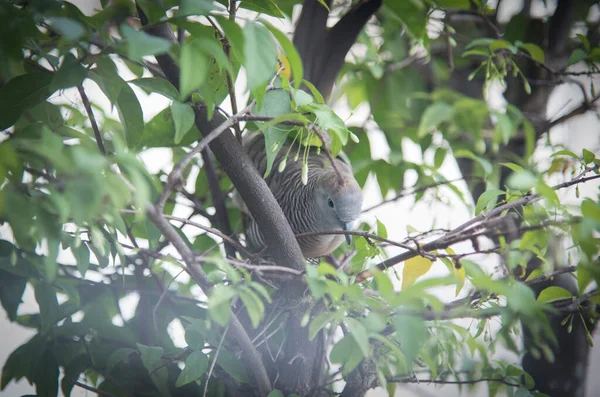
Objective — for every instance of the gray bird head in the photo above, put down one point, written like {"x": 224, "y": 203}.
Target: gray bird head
{"x": 339, "y": 199}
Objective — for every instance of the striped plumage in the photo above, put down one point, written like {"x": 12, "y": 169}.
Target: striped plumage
{"x": 327, "y": 202}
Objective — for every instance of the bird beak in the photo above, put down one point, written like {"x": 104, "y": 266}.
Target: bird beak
{"x": 347, "y": 227}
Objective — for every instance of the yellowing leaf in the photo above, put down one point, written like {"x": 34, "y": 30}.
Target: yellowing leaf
{"x": 415, "y": 268}
{"x": 460, "y": 275}
{"x": 286, "y": 73}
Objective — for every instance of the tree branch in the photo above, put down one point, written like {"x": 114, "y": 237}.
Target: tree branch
{"x": 90, "y": 113}
{"x": 252, "y": 359}
{"x": 452, "y": 236}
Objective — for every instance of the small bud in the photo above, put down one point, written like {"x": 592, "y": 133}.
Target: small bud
{"x": 296, "y": 156}
{"x": 354, "y": 137}
{"x": 318, "y": 150}
{"x": 281, "y": 166}
{"x": 274, "y": 147}
{"x": 304, "y": 173}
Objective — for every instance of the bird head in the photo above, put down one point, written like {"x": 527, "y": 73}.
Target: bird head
{"x": 339, "y": 200}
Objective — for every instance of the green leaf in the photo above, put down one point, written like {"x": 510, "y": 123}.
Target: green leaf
{"x": 412, "y": 14}
{"x": 131, "y": 116}
{"x": 502, "y": 44}
{"x": 359, "y": 332}
{"x": 565, "y": 152}
{"x": 22, "y": 93}
{"x": 260, "y": 57}
{"x": 381, "y": 229}
{"x": 122, "y": 96}
{"x": 577, "y": 55}
{"x": 433, "y": 116}
{"x": 523, "y": 180}
{"x": 414, "y": 268}
{"x": 275, "y": 103}
{"x": 276, "y": 393}
{"x": 140, "y": 44}
{"x": 314, "y": 91}
{"x": 268, "y": 7}
{"x": 346, "y": 352}
{"x": 157, "y": 85}
{"x": 45, "y": 295}
{"x": 290, "y": 52}
{"x": 151, "y": 356}
{"x": 486, "y": 198}
{"x": 504, "y": 129}
{"x": 485, "y": 164}
{"x": 439, "y": 157}
{"x": 23, "y": 360}
{"x": 233, "y": 366}
{"x": 196, "y": 365}
{"x": 11, "y": 292}
{"x": 70, "y": 74}
{"x": 535, "y": 51}
{"x": 318, "y": 322}
{"x": 254, "y": 306}
{"x": 117, "y": 356}
{"x": 194, "y": 67}
{"x": 219, "y": 303}
{"x": 107, "y": 78}
{"x": 235, "y": 36}
{"x": 590, "y": 209}
{"x": 546, "y": 191}
{"x": 331, "y": 122}
{"x": 183, "y": 117}
{"x": 588, "y": 157}
{"x": 553, "y": 293}
{"x": 411, "y": 333}
{"x": 82, "y": 257}
{"x": 195, "y": 7}
{"x": 71, "y": 373}
{"x": 160, "y": 131}
{"x": 70, "y": 29}
{"x": 46, "y": 376}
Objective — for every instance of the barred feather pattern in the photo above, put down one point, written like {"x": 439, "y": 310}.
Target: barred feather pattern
{"x": 307, "y": 207}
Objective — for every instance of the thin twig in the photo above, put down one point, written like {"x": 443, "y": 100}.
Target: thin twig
{"x": 361, "y": 234}
{"x": 413, "y": 191}
{"x": 548, "y": 277}
{"x": 207, "y": 229}
{"x": 214, "y": 361}
{"x": 163, "y": 295}
{"x": 93, "y": 389}
{"x": 230, "y": 83}
{"x": 453, "y": 236}
{"x": 255, "y": 268}
{"x": 90, "y": 113}
{"x": 454, "y": 382}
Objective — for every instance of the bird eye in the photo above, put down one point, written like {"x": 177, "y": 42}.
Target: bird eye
{"x": 330, "y": 202}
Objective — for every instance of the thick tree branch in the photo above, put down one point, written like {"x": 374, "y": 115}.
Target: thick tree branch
{"x": 323, "y": 50}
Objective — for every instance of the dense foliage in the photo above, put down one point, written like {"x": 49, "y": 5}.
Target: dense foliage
{"x": 88, "y": 225}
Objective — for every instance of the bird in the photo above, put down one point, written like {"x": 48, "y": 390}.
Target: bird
{"x": 328, "y": 200}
